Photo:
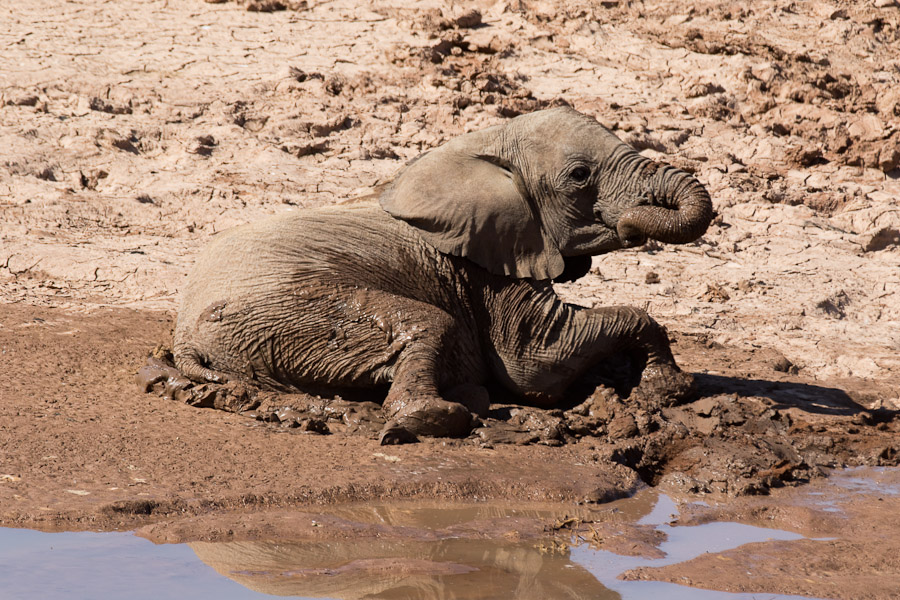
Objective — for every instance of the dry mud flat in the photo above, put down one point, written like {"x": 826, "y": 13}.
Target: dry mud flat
{"x": 131, "y": 132}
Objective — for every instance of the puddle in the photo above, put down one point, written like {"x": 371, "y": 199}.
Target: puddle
{"x": 415, "y": 551}
{"x": 878, "y": 480}
{"x": 682, "y": 544}
{"x": 87, "y": 566}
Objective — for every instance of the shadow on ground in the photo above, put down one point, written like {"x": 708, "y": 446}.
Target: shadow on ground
{"x": 786, "y": 394}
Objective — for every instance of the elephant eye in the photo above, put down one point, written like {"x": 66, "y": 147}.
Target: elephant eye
{"x": 580, "y": 174}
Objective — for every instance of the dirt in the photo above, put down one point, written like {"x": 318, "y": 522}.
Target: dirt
{"x": 130, "y": 133}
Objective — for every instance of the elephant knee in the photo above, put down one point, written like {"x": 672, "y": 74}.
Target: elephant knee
{"x": 636, "y": 331}
{"x": 652, "y": 339}
{"x": 641, "y": 323}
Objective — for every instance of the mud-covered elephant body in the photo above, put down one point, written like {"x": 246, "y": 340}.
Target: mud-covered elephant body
{"x": 332, "y": 296}
{"x": 447, "y": 282}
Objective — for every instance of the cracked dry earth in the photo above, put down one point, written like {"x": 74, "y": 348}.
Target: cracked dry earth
{"x": 131, "y": 132}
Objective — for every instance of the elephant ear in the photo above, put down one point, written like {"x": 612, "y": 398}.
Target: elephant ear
{"x": 465, "y": 201}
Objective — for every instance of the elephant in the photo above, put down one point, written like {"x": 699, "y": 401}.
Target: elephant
{"x": 444, "y": 282}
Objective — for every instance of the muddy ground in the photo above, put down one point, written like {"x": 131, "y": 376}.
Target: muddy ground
{"x": 131, "y": 132}
{"x": 851, "y": 527}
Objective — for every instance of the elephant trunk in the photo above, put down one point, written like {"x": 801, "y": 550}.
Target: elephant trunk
{"x": 675, "y": 208}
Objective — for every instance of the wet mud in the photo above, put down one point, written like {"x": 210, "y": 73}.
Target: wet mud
{"x": 733, "y": 435}
{"x": 784, "y": 548}
{"x": 834, "y": 538}
{"x": 408, "y": 550}
{"x": 850, "y": 527}
{"x": 106, "y": 454}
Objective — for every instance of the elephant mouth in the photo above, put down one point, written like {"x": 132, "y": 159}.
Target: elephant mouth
{"x": 628, "y": 234}
{"x": 630, "y": 237}
{"x": 576, "y": 267}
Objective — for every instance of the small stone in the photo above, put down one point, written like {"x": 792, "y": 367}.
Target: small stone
{"x": 100, "y": 105}
{"x": 264, "y": 5}
{"x": 288, "y": 414}
{"x": 863, "y": 418}
{"x": 315, "y": 426}
{"x": 783, "y": 365}
{"x": 705, "y": 407}
{"x": 867, "y": 128}
{"x": 704, "y": 89}
{"x": 835, "y": 305}
{"x": 889, "y": 159}
{"x": 468, "y": 19}
{"x": 622, "y": 426}
{"x": 394, "y": 435}
{"x": 882, "y": 239}
{"x": 334, "y": 85}
{"x": 22, "y": 98}
{"x": 715, "y": 293}
{"x": 817, "y": 182}
{"x": 602, "y": 495}
{"x": 46, "y": 174}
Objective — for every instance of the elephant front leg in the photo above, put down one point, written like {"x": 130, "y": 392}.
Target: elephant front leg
{"x": 634, "y": 332}
{"x": 542, "y": 351}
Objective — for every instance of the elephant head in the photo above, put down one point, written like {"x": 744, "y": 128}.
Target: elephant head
{"x": 529, "y": 196}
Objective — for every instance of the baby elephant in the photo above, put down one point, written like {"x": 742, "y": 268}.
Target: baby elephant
{"x": 446, "y": 282}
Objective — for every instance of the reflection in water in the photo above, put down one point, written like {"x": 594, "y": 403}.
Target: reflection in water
{"x": 868, "y": 479}
{"x": 451, "y": 564}
{"x": 389, "y": 552}
{"x": 430, "y": 553}
{"x": 396, "y": 570}
{"x": 88, "y": 566}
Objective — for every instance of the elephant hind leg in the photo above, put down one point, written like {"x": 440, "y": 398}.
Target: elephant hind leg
{"x": 433, "y": 416}
{"x": 414, "y": 405}
{"x": 189, "y": 362}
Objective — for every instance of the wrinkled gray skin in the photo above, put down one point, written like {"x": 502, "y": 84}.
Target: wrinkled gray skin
{"x": 447, "y": 283}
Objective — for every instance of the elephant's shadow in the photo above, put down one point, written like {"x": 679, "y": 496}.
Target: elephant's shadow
{"x": 786, "y": 394}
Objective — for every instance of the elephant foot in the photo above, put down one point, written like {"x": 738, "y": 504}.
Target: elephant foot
{"x": 428, "y": 417}
{"x": 663, "y": 385}
{"x": 160, "y": 371}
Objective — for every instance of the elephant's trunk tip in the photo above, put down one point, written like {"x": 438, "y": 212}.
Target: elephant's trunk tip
{"x": 681, "y": 211}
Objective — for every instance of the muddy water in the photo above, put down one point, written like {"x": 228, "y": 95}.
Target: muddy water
{"x": 422, "y": 552}
{"x": 474, "y": 569}
{"x": 74, "y": 566}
